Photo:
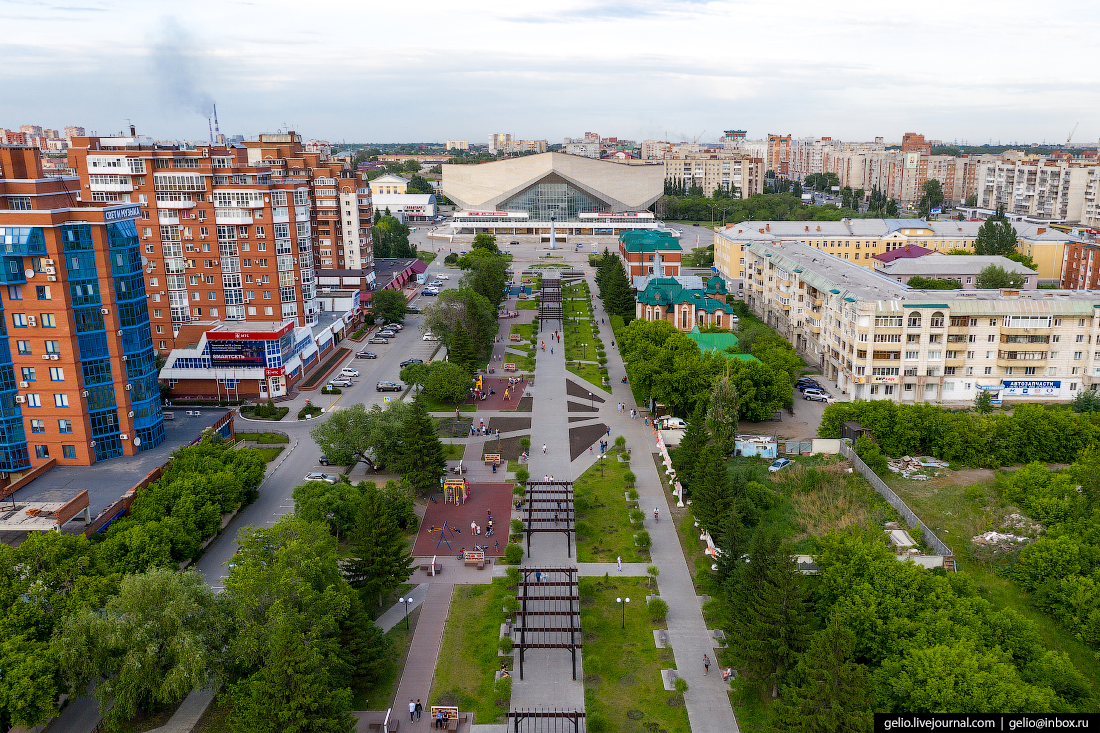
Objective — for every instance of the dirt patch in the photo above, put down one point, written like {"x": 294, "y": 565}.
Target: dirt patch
{"x": 966, "y": 477}
{"x": 525, "y": 404}
{"x": 578, "y": 407}
{"x": 583, "y": 437}
{"x": 508, "y": 424}
{"x": 581, "y": 418}
{"x": 509, "y": 448}
{"x": 575, "y": 390}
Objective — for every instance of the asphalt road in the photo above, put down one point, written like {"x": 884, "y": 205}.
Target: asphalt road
{"x": 301, "y": 456}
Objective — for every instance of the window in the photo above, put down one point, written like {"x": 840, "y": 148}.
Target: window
{"x": 42, "y": 292}
{"x": 68, "y": 451}
{"x": 15, "y": 292}
{"x": 912, "y": 354}
{"x": 57, "y": 374}
{"x": 19, "y": 320}
{"x": 65, "y": 426}
{"x": 38, "y": 426}
{"x": 1029, "y": 370}
{"x": 41, "y": 451}
{"x": 48, "y": 321}
{"x": 1077, "y": 355}
{"x": 19, "y": 203}
{"x": 28, "y": 374}
{"x": 61, "y": 400}
{"x": 969, "y": 371}
{"x": 53, "y": 347}
{"x": 1080, "y": 338}
{"x": 989, "y": 370}
{"x": 34, "y": 400}
{"x": 24, "y": 347}
{"x": 888, "y": 389}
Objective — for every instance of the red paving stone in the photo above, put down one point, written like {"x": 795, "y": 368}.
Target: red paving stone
{"x": 495, "y": 497}
{"x": 496, "y": 401}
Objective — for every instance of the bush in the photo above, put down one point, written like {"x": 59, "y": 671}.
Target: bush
{"x": 620, "y": 442}
{"x": 525, "y": 443}
{"x": 681, "y": 685}
{"x": 522, "y": 474}
{"x": 309, "y": 411}
{"x": 513, "y": 554}
{"x": 633, "y": 493}
{"x": 329, "y": 389}
{"x": 602, "y": 360}
{"x": 451, "y": 259}
{"x": 871, "y": 454}
{"x": 637, "y": 516}
{"x": 511, "y": 603}
{"x": 503, "y": 687}
{"x": 517, "y": 526}
{"x": 624, "y": 457}
{"x": 505, "y": 644}
{"x": 630, "y": 479}
{"x": 513, "y": 576}
{"x": 643, "y": 540}
{"x": 657, "y": 608}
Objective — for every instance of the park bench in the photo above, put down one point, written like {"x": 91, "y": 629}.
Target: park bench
{"x": 515, "y": 337}
{"x": 663, "y": 634}
{"x": 475, "y": 557}
{"x": 492, "y": 459}
{"x": 427, "y": 567}
{"x": 509, "y": 367}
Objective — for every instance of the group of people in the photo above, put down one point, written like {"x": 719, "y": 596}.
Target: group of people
{"x": 482, "y": 430}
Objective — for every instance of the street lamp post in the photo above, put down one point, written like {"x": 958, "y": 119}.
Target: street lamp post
{"x": 407, "y": 601}
{"x": 623, "y": 601}
{"x": 591, "y": 402}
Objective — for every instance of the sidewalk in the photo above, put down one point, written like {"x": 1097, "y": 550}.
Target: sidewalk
{"x": 416, "y": 680}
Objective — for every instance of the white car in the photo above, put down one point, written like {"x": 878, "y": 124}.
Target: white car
{"x": 673, "y": 423}
{"x": 436, "y": 283}
{"x": 430, "y": 337}
{"x": 349, "y": 372}
{"x": 328, "y": 478}
{"x": 441, "y": 276}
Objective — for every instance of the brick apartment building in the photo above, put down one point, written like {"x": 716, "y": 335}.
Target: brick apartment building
{"x": 1081, "y": 266}
{"x": 234, "y": 234}
{"x": 78, "y": 378}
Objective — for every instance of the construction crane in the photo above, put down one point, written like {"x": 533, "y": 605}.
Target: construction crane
{"x": 1070, "y": 137}
{"x": 704, "y": 132}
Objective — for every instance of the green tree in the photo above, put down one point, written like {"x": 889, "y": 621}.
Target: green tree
{"x": 731, "y": 538}
{"x": 422, "y": 462}
{"x": 158, "y": 639}
{"x": 461, "y": 349}
{"x": 295, "y": 690}
{"x": 415, "y": 375}
{"x": 447, "y": 381}
{"x": 933, "y": 283}
{"x": 830, "y": 690}
{"x": 419, "y": 184}
{"x": 762, "y": 390}
{"x": 380, "y": 561}
{"x": 29, "y": 684}
{"x": 995, "y": 237}
{"x": 486, "y": 242}
{"x": 1087, "y": 400}
{"x": 983, "y": 401}
{"x": 931, "y": 197}
{"x": 769, "y": 614}
{"x": 711, "y": 495}
{"x": 337, "y": 505}
{"x": 994, "y": 277}
{"x": 871, "y": 454}
{"x": 389, "y": 305}
{"x": 486, "y": 274}
{"x": 1023, "y": 259}
{"x": 348, "y": 436}
{"x": 685, "y": 457}
{"x": 722, "y": 413}
{"x": 390, "y": 238}
{"x": 972, "y": 200}
{"x": 468, "y": 307}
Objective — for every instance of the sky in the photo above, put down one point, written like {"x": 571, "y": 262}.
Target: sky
{"x": 427, "y": 71}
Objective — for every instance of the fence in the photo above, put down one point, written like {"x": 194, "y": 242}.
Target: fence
{"x": 895, "y": 501}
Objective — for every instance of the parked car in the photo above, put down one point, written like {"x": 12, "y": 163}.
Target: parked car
{"x": 387, "y": 334}
{"x": 803, "y": 386}
{"x": 780, "y": 464}
{"x": 441, "y": 276}
{"x": 323, "y": 460}
{"x": 377, "y": 340}
{"x": 340, "y": 382}
{"x": 514, "y": 241}
{"x": 366, "y": 355}
{"x": 436, "y": 283}
{"x": 430, "y": 337}
{"x": 394, "y": 326}
{"x": 412, "y": 309}
{"x": 429, "y": 291}
{"x": 673, "y": 423}
{"x": 828, "y": 399}
{"x": 411, "y": 361}
{"x": 328, "y": 478}
{"x": 388, "y": 387}
{"x": 349, "y": 372}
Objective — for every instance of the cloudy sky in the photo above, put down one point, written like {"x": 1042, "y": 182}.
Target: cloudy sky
{"x": 975, "y": 70}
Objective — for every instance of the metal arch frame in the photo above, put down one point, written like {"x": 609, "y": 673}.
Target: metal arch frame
{"x": 577, "y": 717}
{"x": 572, "y": 598}
{"x": 550, "y": 496}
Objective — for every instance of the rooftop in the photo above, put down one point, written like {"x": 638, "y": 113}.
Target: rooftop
{"x": 775, "y": 230}
{"x": 908, "y": 251}
{"x": 717, "y": 342}
{"x": 943, "y": 264}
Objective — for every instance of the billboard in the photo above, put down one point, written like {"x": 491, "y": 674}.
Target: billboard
{"x": 911, "y": 160}
{"x": 1031, "y": 387}
{"x": 237, "y": 353}
{"x": 118, "y": 213}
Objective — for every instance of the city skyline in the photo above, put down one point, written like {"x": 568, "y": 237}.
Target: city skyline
{"x": 638, "y": 70}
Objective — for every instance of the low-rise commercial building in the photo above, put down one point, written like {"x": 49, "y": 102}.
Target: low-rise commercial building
{"x": 876, "y": 338}
{"x": 650, "y": 252}
{"x": 963, "y": 269}
{"x": 388, "y": 184}
{"x": 407, "y": 206}
{"x": 685, "y": 302}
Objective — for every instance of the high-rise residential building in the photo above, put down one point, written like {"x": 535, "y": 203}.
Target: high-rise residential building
{"x": 31, "y": 130}
{"x": 778, "y": 155}
{"x": 655, "y": 149}
{"x": 588, "y": 146}
{"x": 458, "y": 145}
{"x": 78, "y": 375}
{"x": 810, "y": 155}
{"x": 235, "y": 234}
{"x": 736, "y": 172}
{"x": 732, "y": 139}
{"x": 71, "y": 132}
{"x": 498, "y": 141}
{"x": 1081, "y": 266}
{"x": 911, "y": 142}
{"x": 1035, "y": 187}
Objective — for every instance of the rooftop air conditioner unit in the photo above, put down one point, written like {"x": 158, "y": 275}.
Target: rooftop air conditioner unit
{"x": 104, "y": 311}
{"x": 32, "y": 320}
{"x": 92, "y": 443}
{"x": 129, "y": 387}
{"x": 45, "y": 356}
{"x": 51, "y": 270}
{"x": 52, "y": 278}
{"x": 124, "y": 357}
{"x": 124, "y": 436}
{"x": 23, "y": 385}
{"x": 55, "y": 357}
{"x": 20, "y": 398}
{"x": 130, "y": 413}
{"x": 49, "y": 262}
{"x": 120, "y": 332}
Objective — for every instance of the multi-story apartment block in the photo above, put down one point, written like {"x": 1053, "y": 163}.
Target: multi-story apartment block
{"x": 810, "y": 155}
{"x": 654, "y": 149}
{"x": 230, "y": 233}
{"x": 1040, "y": 188}
{"x": 73, "y": 131}
{"x": 859, "y": 240}
{"x": 78, "y": 378}
{"x": 458, "y": 145}
{"x": 1081, "y": 266}
{"x": 875, "y": 338}
{"x": 778, "y": 156}
{"x": 912, "y": 142}
{"x": 498, "y": 141}
{"x": 738, "y": 172}
{"x": 588, "y": 146}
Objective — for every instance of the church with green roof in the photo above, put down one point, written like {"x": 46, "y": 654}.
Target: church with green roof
{"x": 685, "y": 302}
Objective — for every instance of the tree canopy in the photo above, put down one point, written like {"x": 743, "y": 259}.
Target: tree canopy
{"x": 933, "y": 283}
{"x": 995, "y": 237}
{"x": 995, "y": 276}
{"x": 486, "y": 273}
{"x": 356, "y": 433}
{"x": 390, "y": 238}
{"x": 468, "y": 307}
{"x": 389, "y": 305}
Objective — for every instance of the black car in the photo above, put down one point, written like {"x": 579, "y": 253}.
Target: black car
{"x": 366, "y": 355}
{"x": 411, "y": 361}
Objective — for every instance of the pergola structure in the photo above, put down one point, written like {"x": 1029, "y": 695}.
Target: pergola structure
{"x": 546, "y": 721}
{"x": 550, "y": 302}
{"x": 549, "y": 612}
{"x": 549, "y": 506}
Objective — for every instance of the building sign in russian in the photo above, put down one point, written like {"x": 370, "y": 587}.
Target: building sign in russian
{"x": 118, "y": 213}
{"x": 1031, "y": 387}
{"x": 237, "y": 353}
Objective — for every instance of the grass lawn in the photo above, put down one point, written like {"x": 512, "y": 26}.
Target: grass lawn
{"x": 622, "y": 678}
{"x": 588, "y": 372}
{"x": 523, "y": 363}
{"x": 263, "y": 438}
{"x": 576, "y": 309}
{"x": 604, "y": 531}
{"x": 942, "y": 504}
{"x": 453, "y": 451}
{"x": 449, "y": 427}
{"x": 270, "y": 454}
{"x": 526, "y": 330}
{"x": 426, "y": 257}
{"x": 434, "y": 405}
{"x": 248, "y": 411}
{"x": 577, "y": 333}
{"x": 468, "y": 661}
{"x": 526, "y": 305}
{"x": 379, "y": 695}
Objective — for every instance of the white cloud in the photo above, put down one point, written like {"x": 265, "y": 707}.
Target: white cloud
{"x": 392, "y": 72}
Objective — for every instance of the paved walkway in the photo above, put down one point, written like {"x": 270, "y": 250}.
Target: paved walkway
{"x": 396, "y": 613}
{"x": 416, "y": 680}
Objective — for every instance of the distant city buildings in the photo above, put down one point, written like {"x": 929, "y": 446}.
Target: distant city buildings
{"x": 505, "y": 142}
{"x": 458, "y": 145}
{"x": 738, "y": 173}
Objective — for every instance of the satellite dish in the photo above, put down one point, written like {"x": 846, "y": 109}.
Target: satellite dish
{"x": 137, "y": 441}
{"x": 29, "y": 274}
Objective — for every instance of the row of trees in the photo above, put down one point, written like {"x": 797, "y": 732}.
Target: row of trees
{"x": 785, "y": 206}
{"x": 402, "y": 436}
{"x": 615, "y": 288}
{"x": 390, "y": 237}
{"x": 52, "y": 578}
{"x": 991, "y": 277}
{"x": 1031, "y": 433}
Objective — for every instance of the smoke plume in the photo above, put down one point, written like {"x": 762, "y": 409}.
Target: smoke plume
{"x": 178, "y": 65}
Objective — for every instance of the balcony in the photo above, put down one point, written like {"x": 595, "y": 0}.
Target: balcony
{"x": 233, "y": 216}
{"x": 813, "y": 327}
{"x": 815, "y": 302}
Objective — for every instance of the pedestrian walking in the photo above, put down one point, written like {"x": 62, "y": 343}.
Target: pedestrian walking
{"x": 706, "y": 665}
{"x": 609, "y": 430}
{"x": 412, "y": 710}
{"x": 545, "y": 477}
{"x": 544, "y": 448}
{"x": 419, "y": 709}
{"x": 619, "y": 561}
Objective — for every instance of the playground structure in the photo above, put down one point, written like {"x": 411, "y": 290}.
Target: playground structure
{"x": 455, "y": 490}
